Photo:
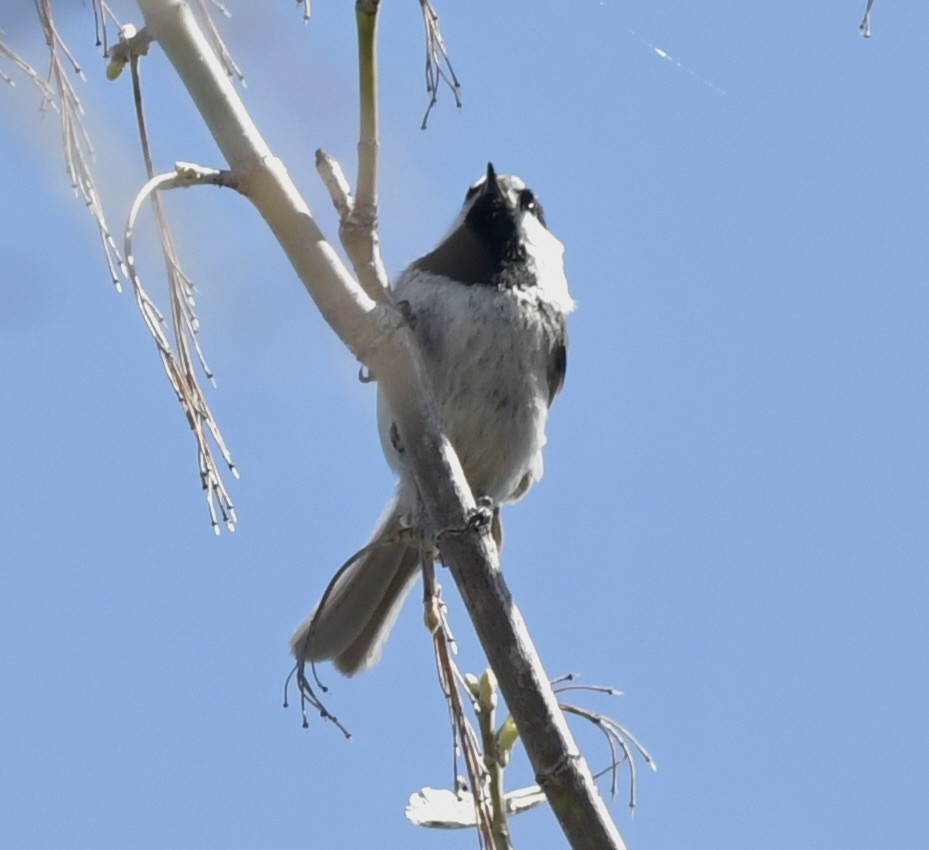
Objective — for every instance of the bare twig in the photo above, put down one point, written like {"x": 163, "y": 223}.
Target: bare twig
{"x": 337, "y": 183}
{"x": 438, "y": 65}
{"x": 358, "y": 213}
{"x": 179, "y": 367}
{"x": 494, "y": 759}
{"x": 444, "y": 809}
{"x": 102, "y": 13}
{"x": 48, "y": 95}
{"x": 360, "y": 230}
{"x": 75, "y": 140}
{"x": 865, "y": 25}
{"x": 464, "y": 738}
{"x": 179, "y": 372}
{"x": 233, "y": 71}
{"x": 307, "y": 693}
{"x": 617, "y": 736}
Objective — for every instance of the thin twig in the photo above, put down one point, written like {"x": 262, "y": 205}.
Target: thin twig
{"x": 305, "y": 689}
{"x": 438, "y": 64}
{"x": 464, "y": 738}
{"x": 179, "y": 367}
{"x": 360, "y": 228}
{"x": 233, "y": 71}
{"x": 358, "y": 213}
{"x": 308, "y": 697}
{"x": 336, "y": 182}
{"x": 865, "y": 25}
{"x": 559, "y": 686}
{"x": 48, "y": 94}
{"x": 617, "y": 736}
{"x": 75, "y": 140}
{"x": 493, "y": 763}
{"x": 102, "y": 13}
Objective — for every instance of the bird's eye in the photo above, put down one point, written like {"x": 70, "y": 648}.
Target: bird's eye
{"x": 472, "y": 191}
{"x": 528, "y": 203}
{"x": 527, "y": 200}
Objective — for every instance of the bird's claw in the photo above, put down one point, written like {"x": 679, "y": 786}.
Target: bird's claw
{"x": 482, "y": 515}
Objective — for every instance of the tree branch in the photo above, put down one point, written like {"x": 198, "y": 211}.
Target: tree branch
{"x": 865, "y": 25}
{"x": 358, "y": 215}
{"x": 376, "y": 333}
{"x": 364, "y": 221}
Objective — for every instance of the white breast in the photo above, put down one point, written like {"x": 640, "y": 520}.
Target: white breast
{"x": 487, "y": 351}
{"x": 546, "y": 258}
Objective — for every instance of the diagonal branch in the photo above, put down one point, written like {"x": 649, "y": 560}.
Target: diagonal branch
{"x": 377, "y": 334}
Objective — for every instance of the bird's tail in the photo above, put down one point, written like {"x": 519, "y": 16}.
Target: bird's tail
{"x": 351, "y": 622}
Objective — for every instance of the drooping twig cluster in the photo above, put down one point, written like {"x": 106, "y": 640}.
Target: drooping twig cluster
{"x": 308, "y": 695}
{"x": 58, "y": 93}
{"x": 438, "y": 65}
{"x": 448, "y": 809}
{"x": 179, "y": 366}
{"x": 177, "y": 360}
{"x": 623, "y": 744}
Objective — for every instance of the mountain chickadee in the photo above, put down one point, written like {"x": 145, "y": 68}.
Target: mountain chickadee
{"x": 488, "y": 306}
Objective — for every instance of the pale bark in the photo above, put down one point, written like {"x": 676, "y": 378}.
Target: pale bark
{"x": 377, "y": 335}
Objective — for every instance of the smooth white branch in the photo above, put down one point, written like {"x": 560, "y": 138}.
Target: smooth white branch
{"x": 377, "y": 334}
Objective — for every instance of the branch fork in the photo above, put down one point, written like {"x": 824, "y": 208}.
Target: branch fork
{"x": 351, "y": 311}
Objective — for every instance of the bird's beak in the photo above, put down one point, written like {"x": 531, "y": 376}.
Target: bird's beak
{"x": 491, "y": 186}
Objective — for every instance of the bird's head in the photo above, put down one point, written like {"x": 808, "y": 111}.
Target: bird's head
{"x": 500, "y": 225}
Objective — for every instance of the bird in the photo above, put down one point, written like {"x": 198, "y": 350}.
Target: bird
{"x": 488, "y": 307}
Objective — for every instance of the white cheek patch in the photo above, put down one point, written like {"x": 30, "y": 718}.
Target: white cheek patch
{"x": 547, "y": 253}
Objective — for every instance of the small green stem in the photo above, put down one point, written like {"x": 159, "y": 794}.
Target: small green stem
{"x": 359, "y": 231}
{"x": 366, "y": 15}
{"x": 493, "y": 763}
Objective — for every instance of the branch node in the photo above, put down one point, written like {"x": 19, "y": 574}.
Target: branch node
{"x": 336, "y": 182}
{"x": 568, "y": 762}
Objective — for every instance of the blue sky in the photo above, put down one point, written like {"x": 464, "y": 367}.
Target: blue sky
{"x": 733, "y": 527}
